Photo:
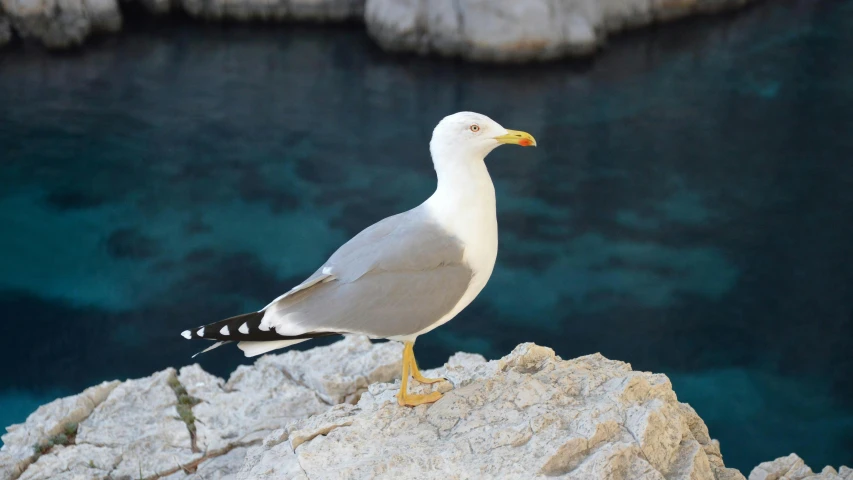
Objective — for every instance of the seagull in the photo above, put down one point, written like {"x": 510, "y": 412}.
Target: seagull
{"x": 402, "y": 276}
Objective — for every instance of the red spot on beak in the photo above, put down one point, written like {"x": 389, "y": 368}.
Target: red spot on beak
{"x": 525, "y": 142}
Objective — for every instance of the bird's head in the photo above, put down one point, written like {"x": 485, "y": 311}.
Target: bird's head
{"x": 473, "y": 135}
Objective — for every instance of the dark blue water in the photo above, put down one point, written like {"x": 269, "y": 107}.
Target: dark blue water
{"x": 689, "y": 209}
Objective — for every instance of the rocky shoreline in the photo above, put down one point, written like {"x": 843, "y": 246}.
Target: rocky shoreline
{"x": 477, "y": 30}
{"x": 512, "y": 31}
{"x": 330, "y": 412}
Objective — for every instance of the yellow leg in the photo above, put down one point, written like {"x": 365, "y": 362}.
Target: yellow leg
{"x": 416, "y": 373}
{"x": 404, "y": 397}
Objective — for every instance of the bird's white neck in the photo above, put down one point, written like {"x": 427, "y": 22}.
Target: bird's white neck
{"x": 464, "y": 204}
{"x": 464, "y": 187}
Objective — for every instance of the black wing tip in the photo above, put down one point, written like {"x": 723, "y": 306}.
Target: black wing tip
{"x": 244, "y": 328}
{"x": 228, "y": 329}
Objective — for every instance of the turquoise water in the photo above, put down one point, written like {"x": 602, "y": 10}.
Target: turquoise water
{"x": 688, "y": 209}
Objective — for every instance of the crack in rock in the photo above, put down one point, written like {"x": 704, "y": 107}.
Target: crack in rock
{"x": 186, "y": 402}
{"x": 47, "y": 423}
{"x": 193, "y": 466}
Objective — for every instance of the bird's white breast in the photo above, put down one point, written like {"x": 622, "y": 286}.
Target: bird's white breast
{"x": 468, "y": 212}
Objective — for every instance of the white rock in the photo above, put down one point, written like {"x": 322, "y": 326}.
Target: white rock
{"x": 487, "y": 30}
{"x": 509, "y": 30}
{"x": 223, "y": 467}
{"x": 278, "y": 389}
{"x": 528, "y": 415}
{"x": 132, "y": 429}
{"x": 338, "y": 382}
{"x": 140, "y": 422}
{"x": 47, "y": 421}
{"x": 59, "y": 24}
{"x": 254, "y": 402}
{"x": 62, "y": 23}
{"x": 792, "y": 467}
{"x": 75, "y": 462}
{"x": 125, "y": 430}
{"x": 273, "y": 461}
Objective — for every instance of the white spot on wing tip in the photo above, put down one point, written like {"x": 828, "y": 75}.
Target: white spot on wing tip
{"x": 327, "y": 270}
{"x": 224, "y": 330}
{"x": 263, "y": 328}
{"x": 244, "y": 329}
{"x": 200, "y": 332}
{"x": 187, "y": 334}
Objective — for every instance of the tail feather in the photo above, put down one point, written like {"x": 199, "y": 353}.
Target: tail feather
{"x": 253, "y": 349}
{"x": 245, "y": 329}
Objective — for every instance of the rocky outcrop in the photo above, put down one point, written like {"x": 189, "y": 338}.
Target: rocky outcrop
{"x": 188, "y": 423}
{"x": 329, "y": 413}
{"x": 61, "y": 23}
{"x": 509, "y": 30}
{"x": 326, "y": 413}
{"x": 792, "y": 467}
{"x": 21, "y": 442}
{"x": 528, "y": 415}
{"x": 482, "y": 30}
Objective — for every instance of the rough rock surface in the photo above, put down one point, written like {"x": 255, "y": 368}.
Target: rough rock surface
{"x": 135, "y": 429}
{"x": 792, "y": 467}
{"x": 47, "y": 421}
{"x": 528, "y": 415}
{"x": 337, "y": 382}
{"x": 325, "y": 414}
{"x": 509, "y": 30}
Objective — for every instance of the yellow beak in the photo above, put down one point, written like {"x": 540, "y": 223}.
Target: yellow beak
{"x": 517, "y": 137}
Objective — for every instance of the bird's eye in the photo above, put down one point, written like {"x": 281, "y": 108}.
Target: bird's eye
{"x": 475, "y": 128}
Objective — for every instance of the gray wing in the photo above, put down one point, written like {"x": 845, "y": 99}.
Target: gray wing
{"x": 396, "y": 277}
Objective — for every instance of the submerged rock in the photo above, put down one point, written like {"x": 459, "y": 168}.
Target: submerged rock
{"x": 792, "y": 467}
{"x": 511, "y": 31}
{"x": 329, "y": 413}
